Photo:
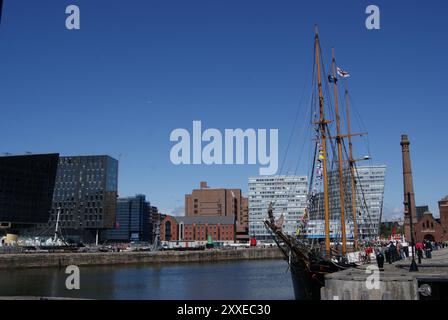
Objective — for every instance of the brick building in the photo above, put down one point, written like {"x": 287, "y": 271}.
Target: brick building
{"x": 426, "y": 226}
{"x": 433, "y": 229}
{"x": 209, "y": 202}
{"x": 220, "y": 228}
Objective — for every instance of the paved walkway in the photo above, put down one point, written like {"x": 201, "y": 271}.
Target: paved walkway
{"x": 395, "y": 282}
{"x": 439, "y": 260}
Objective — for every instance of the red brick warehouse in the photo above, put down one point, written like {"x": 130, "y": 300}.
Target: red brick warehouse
{"x": 220, "y": 228}
{"x": 432, "y": 229}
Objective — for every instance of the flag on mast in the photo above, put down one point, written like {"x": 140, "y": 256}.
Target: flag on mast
{"x": 343, "y": 73}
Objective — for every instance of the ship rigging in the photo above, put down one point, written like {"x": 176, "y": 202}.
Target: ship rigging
{"x": 334, "y": 184}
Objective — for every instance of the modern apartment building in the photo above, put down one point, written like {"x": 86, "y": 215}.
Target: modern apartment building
{"x": 369, "y": 196}
{"x": 287, "y": 194}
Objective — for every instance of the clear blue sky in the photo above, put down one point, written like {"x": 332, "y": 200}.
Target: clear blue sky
{"x": 138, "y": 69}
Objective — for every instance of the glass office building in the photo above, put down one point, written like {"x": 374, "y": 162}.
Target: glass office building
{"x": 26, "y": 188}
{"x": 288, "y": 195}
{"x": 85, "y": 196}
{"x": 369, "y": 196}
{"x": 133, "y": 220}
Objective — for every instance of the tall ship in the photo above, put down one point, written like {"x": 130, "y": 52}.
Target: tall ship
{"x": 334, "y": 198}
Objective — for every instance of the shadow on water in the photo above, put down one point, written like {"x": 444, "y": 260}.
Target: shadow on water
{"x": 240, "y": 280}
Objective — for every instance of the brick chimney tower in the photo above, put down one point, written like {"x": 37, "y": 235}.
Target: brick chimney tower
{"x": 408, "y": 187}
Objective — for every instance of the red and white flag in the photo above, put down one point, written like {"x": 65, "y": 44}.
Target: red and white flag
{"x": 343, "y": 73}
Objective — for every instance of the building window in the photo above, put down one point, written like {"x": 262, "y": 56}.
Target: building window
{"x": 168, "y": 231}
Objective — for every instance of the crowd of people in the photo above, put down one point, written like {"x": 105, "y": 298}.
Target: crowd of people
{"x": 393, "y": 251}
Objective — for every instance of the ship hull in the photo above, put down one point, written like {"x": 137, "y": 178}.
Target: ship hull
{"x": 307, "y": 283}
{"x": 303, "y": 285}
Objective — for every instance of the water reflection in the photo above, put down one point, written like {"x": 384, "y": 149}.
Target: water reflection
{"x": 264, "y": 279}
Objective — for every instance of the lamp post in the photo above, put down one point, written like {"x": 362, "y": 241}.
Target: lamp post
{"x": 413, "y": 267}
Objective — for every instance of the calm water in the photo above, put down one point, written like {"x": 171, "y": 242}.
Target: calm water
{"x": 262, "y": 279}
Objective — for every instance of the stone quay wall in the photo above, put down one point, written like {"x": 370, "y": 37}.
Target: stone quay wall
{"x": 40, "y": 260}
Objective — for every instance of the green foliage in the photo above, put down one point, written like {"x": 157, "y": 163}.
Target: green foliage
{"x": 387, "y": 227}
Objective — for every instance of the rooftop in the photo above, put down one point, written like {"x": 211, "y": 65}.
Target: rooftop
{"x": 205, "y": 220}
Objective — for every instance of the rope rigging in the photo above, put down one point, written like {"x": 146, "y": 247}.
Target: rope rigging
{"x": 314, "y": 202}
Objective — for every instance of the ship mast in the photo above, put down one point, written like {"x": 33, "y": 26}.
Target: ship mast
{"x": 352, "y": 174}
{"x": 340, "y": 164}
{"x": 322, "y": 127}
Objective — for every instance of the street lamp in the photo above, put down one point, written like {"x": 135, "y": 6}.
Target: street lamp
{"x": 413, "y": 266}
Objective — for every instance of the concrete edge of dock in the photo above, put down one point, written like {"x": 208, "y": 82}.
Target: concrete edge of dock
{"x": 394, "y": 282}
{"x": 40, "y": 260}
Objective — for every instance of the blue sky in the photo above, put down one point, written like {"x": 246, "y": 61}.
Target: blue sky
{"x": 139, "y": 69}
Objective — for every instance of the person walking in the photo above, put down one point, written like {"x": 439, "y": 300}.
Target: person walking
{"x": 379, "y": 256}
{"x": 406, "y": 250}
{"x": 428, "y": 249}
{"x": 402, "y": 251}
{"x": 392, "y": 252}
{"x": 399, "y": 250}
{"x": 368, "y": 251}
{"x": 387, "y": 253}
{"x": 419, "y": 248}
